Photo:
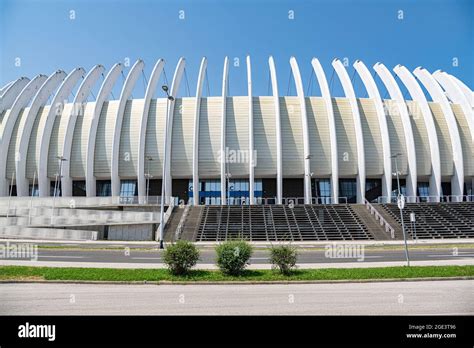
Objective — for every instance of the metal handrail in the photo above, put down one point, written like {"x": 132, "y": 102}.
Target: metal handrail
{"x": 427, "y": 199}
{"x": 380, "y": 218}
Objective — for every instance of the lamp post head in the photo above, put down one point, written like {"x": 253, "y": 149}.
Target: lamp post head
{"x": 165, "y": 88}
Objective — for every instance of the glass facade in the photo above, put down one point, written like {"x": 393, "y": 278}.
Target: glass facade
{"x": 55, "y": 189}
{"x": 238, "y": 193}
{"x": 103, "y": 188}
{"x": 128, "y": 188}
{"x": 348, "y": 189}
{"x": 79, "y": 188}
{"x": 321, "y": 190}
{"x": 423, "y": 189}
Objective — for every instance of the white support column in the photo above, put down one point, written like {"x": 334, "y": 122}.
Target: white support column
{"x": 223, "y": 158}
{"x": 11, "y": 92}
{"x": 276, "y": 101}
{"x": 456, "y": 94}
{"x": 178, "y": 74}
{"x": 417, "y": 95}
{"x": 104, "y": 91}
{"x": 127, "y": 89}
{"x": 438, "y": 96}
{"x": 350, "y": 94}
{"x": 197, "y": 112}
{"x": 396, "y": 95}
{"x": 374, "y": 94}
{"x": 251, "y": 143}
{"x": 326, "y": 94}
{"x": 150, "y": 91}
{"x": 9, "y": 121}
{"x": 304, "y": 123}
{"x": 57, "y": 107}
{"x": 77, "y": 111}
{"x": 40, "y": 99}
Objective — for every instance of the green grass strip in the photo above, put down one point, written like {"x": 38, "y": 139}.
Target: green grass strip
{"x": 110, "y": 274}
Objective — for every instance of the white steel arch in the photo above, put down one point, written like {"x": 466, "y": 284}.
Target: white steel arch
{"x": 9, "y": 122}
{"x": 150, "y": 91}
{"x": 178, "y": 74}
{"x": 251, "y": 141}
{"x": 396, "y": 95}
{"x": 350, "y": 94}
{"x": 77, "y": 111}
{"x": 276, "y": 101}
{"x": 417, "y": 95}
{"x": 465, "y": 89}
{"x": 434, "y": 89}
{"x": 5, "y": 87}
{"x": 197, "y": 112}
{"x": 304, "y": 123}
{"x": 104, "y": 91}
{"x": 326, "y": 95}
{"x": 57, "y": 107}
{"x": 40, "y": 99}
{"x": 127, "y": 89}
{"x": 374, "y": 94}
{"x": 11, "y": 92}
{"x": 222, "y": 156}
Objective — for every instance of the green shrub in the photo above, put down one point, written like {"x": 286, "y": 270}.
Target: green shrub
{"x": 284, "y": 258}
{"x": 233, "y": 256}
{"x": 180, "y": 257}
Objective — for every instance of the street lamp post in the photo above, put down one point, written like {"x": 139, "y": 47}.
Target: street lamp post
{"x": 228, "y": 176}
{"x": 61, "y": 159}
{"x": 148, "y": 176}
{"x": 401, "y": 204}
{"x": 165, "y": 161}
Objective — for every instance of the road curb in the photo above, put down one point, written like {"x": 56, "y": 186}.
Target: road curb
{"x": 229, "y": 282}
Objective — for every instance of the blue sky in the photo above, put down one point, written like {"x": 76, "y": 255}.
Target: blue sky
{"x": 41, "y": 33}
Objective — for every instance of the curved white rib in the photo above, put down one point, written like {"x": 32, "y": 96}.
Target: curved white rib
{"x": 456, "y": 94}
{"x": 127, "y": 89}
{"x": 222, "y": 157}
{"x": 178, "y": 74}
{"x": 417, "y": 95}
{"x": 104, "y": 91}
{"x": 276, "y": 101}
{"x": 77, "y": 111}
{"x": 304, "y": 123}
{"x": 349, "y": 93}
{"x": 251, "y": 142}
{"x": 374, "y": 94}
{"x": 57, "y": 106}
{"x": 39, "y": 100}
{"x": 10, "y": 120}
{"x": 465, "y": 89}
{"x": 150, "y": 91}
{"x": 5, "y": 87}
{"x": 197, "y": 111}
{"x": 11, "y": 92}
{"x": 396, "y": 95}
{"x": 434, "y": 89}
{"x": 326, "y": 94}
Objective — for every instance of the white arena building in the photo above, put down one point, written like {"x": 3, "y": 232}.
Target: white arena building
{"x": 211, "y": 150}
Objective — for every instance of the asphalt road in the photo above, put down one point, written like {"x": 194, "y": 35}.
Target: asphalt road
{"x": 259, "y": 256}
{"x": 384, "y": 298}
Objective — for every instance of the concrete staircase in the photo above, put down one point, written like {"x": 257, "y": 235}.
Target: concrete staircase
{"x": 373, "y": 225}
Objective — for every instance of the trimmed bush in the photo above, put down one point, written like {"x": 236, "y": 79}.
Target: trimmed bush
{"x": 233, "y": 256}
{"x": 180, "y": 257}
{"x": 283, "y": 258}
